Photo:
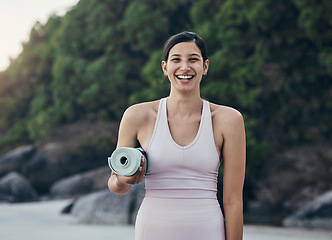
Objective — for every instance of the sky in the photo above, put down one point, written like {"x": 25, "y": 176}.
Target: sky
{"x": 17, "y": 17}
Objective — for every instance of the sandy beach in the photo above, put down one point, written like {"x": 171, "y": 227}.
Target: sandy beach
{"x": 43, "y": 220}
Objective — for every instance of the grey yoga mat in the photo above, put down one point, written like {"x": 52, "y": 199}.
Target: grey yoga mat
{"x": 125, "y": 160}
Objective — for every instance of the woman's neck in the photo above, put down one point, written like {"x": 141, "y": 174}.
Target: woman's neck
{"x": 184, "y": 105}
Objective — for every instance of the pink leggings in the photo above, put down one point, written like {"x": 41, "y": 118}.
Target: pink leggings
{"x": 179, "y": 219}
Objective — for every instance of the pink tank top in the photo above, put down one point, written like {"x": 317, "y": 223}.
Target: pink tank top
{"x": 182, "y": 171}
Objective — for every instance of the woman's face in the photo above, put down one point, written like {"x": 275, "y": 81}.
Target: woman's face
{"x": 185, "y": 66}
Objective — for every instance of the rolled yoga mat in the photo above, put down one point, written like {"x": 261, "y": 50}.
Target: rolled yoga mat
{"x": 125, "y": 160}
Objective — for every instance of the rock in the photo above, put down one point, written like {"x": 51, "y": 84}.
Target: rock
{"x": 46, "y": 166}
{"x": 67, "y": 209}
{"x": 315, "y": 214}
{"x": 54, "y": 161}
{"x": 15, "y": 159}
{"x": 70, "y": 149}
{"x": 81, "y": 184}
{"x": 294, "y": 177}
{"x": 16, "y": 188}
{"x": 41, "y": 166}
{"x": 107, "y": 208}
{"x": 51, "y": 162}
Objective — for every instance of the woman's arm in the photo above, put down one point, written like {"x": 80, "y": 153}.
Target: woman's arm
{"x": 129, "y": 126}
{"x": 234, "y": 155}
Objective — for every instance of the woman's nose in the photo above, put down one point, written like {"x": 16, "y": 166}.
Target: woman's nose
{"x": 185, "y": 66}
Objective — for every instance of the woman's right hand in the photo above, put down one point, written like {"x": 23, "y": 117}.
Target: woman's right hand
{"x": 137, "y": 177}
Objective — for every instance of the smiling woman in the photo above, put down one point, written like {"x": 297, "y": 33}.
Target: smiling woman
{"x": 185, "y": 138}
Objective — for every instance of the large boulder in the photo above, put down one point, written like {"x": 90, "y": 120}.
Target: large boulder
{"x": 80, "y": 184}
{"x": 107, "y": 208}
{"x": 71, "y": 149}
{"x": 16, "y": 159}
{"x": 46, "y": 166}
{"x": 16, "y": 188}
{"x": 315, "y": 214}
{"x": 41, "y": 166}
{"x": 292, "y": 178}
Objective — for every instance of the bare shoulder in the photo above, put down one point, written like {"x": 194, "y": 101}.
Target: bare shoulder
{"x": 221, "y": 111}
{"x": 141, "y": 112}
{"x": 225, "y": 116}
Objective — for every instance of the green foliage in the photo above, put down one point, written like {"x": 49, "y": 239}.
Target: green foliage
{"x": 152, "y": 76}
{"x": 25, "y": 86}
{"x": 143, "y": 13}
{"x": 147, "y": 24}
{"x": 272, "y": 60}
{"x": 88, "y": 67}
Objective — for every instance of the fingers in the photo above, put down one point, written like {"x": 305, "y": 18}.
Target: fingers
{"x": 141, "y": 170}
{"x": 137, "y": 177}
{"x": 143, "y": 164}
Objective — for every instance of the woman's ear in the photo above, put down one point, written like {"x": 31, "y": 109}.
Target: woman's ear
{"x": 206, "y": 66}
{"x": 164, "y": 67}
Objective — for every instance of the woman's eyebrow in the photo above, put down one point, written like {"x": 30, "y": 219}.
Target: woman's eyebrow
{"x": 195, "y": 54}
{"x": 178, "y": 55}
{"x": 175, "y": 55}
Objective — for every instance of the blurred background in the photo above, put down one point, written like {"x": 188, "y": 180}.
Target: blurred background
{"x": 62, "y": 98}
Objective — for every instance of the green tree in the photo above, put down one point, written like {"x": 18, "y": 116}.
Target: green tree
{"x": 25, "y": 86}
{"x": 272, "y": 60}
{"x": 89, "y": 71}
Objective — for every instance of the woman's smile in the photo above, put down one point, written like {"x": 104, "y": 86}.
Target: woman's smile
{"x": 185, "y": 78}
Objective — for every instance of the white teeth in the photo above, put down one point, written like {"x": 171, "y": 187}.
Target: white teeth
{"x": 185, "y": 77}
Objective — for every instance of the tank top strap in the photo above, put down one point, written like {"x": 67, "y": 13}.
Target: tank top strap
{"x": 163, "y": 108}
{"x": 159, "y": 120}
{"x": 207, "y": 114}
{"x": 206, "y": 117}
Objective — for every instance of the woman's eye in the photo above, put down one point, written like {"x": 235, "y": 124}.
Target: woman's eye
{"x": 193, "y": 59}
{"x": 175, "y": 59}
